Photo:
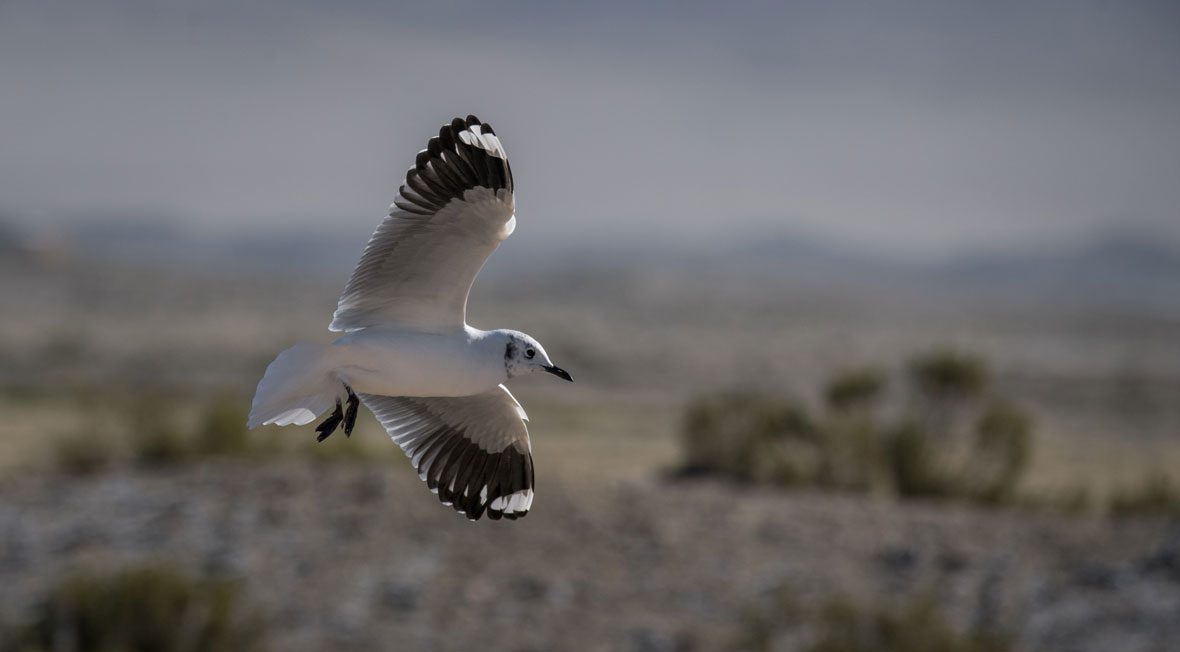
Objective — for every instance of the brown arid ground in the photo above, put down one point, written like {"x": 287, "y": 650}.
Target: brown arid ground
{"x": 350, "y": 557}
{"x": 615, "y": 556}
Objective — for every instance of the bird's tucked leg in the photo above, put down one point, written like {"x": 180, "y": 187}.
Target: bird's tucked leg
{"x": 329, "y": 425}
{"x": 350, "y": 414}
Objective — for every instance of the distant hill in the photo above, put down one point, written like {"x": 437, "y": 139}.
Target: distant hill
{"x": 1116, "y": 267}
{"x": 1115, "y": 263}
{"x": 144, "y": 241}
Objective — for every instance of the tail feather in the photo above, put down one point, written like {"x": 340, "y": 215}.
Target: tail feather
{"x": 298, "y": 387}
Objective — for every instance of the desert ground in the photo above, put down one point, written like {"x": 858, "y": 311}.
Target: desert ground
{"x": 348, "y": 551}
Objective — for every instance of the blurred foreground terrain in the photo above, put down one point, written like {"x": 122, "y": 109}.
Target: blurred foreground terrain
{"x": 126, "y": 379}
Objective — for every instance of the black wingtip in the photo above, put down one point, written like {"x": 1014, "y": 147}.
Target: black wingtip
{"x": 449, "y": 166}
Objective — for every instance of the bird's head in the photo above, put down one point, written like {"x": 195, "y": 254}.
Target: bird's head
{"x": 523, "y": 355}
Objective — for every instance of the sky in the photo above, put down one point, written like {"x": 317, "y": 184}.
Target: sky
{"x": 908, "y": 128}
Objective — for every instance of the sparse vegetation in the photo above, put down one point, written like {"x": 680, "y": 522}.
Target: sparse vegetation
{"x": 840, "y": 624}
{"x": 156, "y": 437}
{"x": 161, "y": 432}
{"x": 853, "y": 390}
{"x": 949, "y": 375}
{"x": 82, "y": 453}
{"x": 751, "y": 438}
{"x": 141, "y": 609}
{"x": 222, "y": 428}
{"x": 1157, "y": 495}
{"x": 928, "y": 450}
{"x": 914, "y": 464}
{"x": 949, "y": 438}
{"x": 915, "y": 626}
{"x": 159, "y": 448}
{"x": 1002, "y": 451}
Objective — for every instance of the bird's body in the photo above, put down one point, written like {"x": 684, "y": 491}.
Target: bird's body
{"x": 408, "y": 363}
{"x": 407, "y": 353}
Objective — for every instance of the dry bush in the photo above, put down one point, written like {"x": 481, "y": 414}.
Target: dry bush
{"x": 916, "y": 626}
{"x": 854, "y": 456}
{"x": 156, "y": 438}
{"x": 162, "y": 433}
{"x": 928, "y": 450}
{"x": 81, "y": 453}
{"x": 222, "y": 428}
{"x": 782, "y": 621}
{"x": 946, "y": 374}
{"x": 142, "y": 609}
{"x": 165, "y": 431}
{"x": 854, "y": 390}
{"x": 749, "y": 437}
{"x": 923, "y": 463}
{"x": 915, "y": 465}
{"x": 1158, "y": 495}
{"x": 1002, "y": 451}
{"x": 854, "y": 453}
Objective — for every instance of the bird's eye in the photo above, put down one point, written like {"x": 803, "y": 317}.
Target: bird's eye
{"x": 529, "y": 353}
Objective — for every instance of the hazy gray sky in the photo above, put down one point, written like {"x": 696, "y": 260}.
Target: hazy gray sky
{"x": 916, "y": 127}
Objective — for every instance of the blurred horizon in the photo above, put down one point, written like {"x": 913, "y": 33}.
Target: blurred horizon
{"x": 1124, "y": 269}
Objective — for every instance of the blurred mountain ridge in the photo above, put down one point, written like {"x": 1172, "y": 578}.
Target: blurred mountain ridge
{"x": 1116, "y": 265}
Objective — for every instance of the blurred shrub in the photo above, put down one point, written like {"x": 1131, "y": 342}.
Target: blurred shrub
{"x": 1002, "y": 451}
{"x": 853, "y": 456}
{"x": 82, "y": 453}
{"x": 159, "y": 448}
{"x": 1158, "y": 495}
{"x": 156, "y": 439}
{"x": 749, "y": 437}
{"x": 222, "y": 428}
{"x": 144, "y": 609}
{"x": 842, "y": 625}
{"x": 913, "y": 463}
{"x": 854, "y": 390}
{"x": 947, "y": 374}
{"x": 1078, "y": 500}
{"x": 916, "y": 626}
{"x": 926, "y": 450}
{"x": 1075, "y": 500}
{"x": 158, "y": 430}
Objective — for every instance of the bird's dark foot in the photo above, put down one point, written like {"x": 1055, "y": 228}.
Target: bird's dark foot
{"x": 329, "y": 425}
{"x": 350, "y": 414}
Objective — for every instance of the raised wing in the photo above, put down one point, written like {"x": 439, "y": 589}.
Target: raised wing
{"x": 473, "y": 451}
{"x": 454, "y": 209}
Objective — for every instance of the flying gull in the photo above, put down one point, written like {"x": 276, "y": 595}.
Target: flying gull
{"x": 407, "y": 353}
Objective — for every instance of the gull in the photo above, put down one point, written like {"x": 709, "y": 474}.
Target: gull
{"x": 434, "y": 383}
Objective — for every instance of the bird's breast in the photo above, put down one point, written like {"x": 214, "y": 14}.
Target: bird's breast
{"x": 395, "y": 364}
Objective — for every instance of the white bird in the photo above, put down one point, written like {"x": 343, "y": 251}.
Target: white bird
{"x": 433, "y": 382}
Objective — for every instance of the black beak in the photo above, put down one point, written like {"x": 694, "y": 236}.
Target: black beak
{"x": 559, "y": 372}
